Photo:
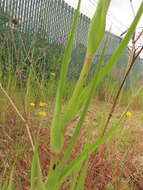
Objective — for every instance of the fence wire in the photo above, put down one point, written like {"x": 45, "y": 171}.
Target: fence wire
{"x": 52, "y": 20}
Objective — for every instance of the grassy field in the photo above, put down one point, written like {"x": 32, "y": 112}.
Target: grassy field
{"x": 116, "y": 165}
{"x": 58, "y": 134}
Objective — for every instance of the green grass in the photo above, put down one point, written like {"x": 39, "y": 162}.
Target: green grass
{"x": 47, "y": 133}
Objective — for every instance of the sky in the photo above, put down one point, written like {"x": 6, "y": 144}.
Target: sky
{"x": 120, "y": 14}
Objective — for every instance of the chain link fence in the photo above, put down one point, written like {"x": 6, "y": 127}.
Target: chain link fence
{"x": 51, "y": 20}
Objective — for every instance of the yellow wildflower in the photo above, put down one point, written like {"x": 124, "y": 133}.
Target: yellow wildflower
{"x": 32, "y": 104}
{"x": 52, "y": 74}
{"x": 42, "y": 113}
{"x": 128, "y": 114}
{"x": 42, "y": 104}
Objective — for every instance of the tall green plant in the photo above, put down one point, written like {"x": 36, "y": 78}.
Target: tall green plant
{"x": 81, "y": 98}
{"x": 93, "y": 84}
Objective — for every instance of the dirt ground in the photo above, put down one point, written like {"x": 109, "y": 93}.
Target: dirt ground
{"x": 118, "y": 163}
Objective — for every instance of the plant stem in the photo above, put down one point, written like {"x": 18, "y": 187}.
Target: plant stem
{"x": 20, "y": 115}
{"x": 132, "y": 58}
{"x": 132, "y": 61}
{"x": 83, "y": 75}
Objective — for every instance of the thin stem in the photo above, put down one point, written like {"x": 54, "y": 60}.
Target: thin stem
{"x": 19, "y": 114}
{"x": 138, "y": 53}
{"x": 118, "y": 94}
{"x": 132, "y": 58}
{"x": 139, "y": 36}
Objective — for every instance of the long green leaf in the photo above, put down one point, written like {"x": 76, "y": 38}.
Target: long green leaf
{"x": 56, "y": 132}
{"x": 36, "y": 173}
{"x": 97, "y": 27}
{"x": 75, "y": 176}
{"x": 95, "y": 36}
{"x": 83, "y": 95}
{"x": 81, "y": 179}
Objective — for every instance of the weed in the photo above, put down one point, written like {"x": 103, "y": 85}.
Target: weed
{"x": 70, "y": 149}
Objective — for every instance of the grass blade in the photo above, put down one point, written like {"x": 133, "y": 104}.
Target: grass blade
{"x": 75, "y": 176}
{"x": 56, "y": 132}
{"x": 10, "y": 185}
{"x": 95, "y": 37}
{"x": 81, "y": 180}
{"x": 36, "y": 173}
{"x": 97, "y": 27}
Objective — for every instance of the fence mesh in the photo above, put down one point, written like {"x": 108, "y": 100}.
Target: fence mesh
{"x": 52, "y": 21}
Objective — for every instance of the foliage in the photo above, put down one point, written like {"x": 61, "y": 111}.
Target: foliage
{"x": 19, "y": 52}
{"x": 36, "y": 65}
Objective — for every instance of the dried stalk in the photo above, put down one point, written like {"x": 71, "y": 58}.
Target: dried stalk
{"x": 133, "y": 56}
{"x": 19, "y": 114}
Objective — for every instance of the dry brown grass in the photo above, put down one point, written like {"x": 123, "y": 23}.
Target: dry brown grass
{"x": 108, "y": 165}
